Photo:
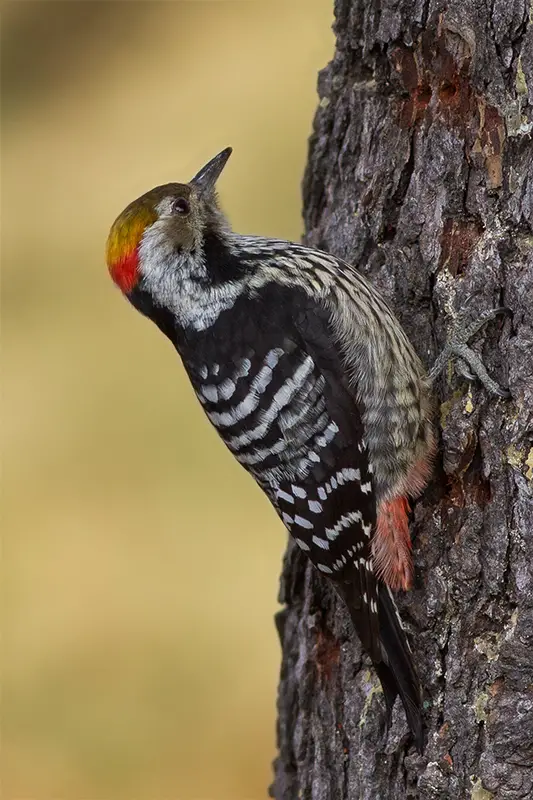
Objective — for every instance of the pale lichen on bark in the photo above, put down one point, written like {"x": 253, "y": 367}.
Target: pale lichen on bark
{"x": 420, "y": 173}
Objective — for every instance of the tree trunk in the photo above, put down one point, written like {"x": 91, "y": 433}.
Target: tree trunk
{"x": 421, "y": 174}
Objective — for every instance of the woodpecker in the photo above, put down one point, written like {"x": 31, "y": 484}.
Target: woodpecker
{"x": 312, "y": 384}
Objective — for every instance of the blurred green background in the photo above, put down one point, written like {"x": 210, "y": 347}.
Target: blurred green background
{"x": 141, "y": 564}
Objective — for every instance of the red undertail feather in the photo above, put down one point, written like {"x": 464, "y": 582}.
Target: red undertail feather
{"x": 391, "y": 545}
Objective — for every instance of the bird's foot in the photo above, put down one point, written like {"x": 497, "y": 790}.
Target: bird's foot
{"x": 469, "y": 363}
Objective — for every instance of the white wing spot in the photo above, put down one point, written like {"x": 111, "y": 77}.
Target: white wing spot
{"x": 281, "y": 495}
{"x": 210, "y": 392}
{"x": 301, "y": 544}
{"x": 315, "y": 506}
{"x": 324, "y": 568}
{"x": 226, "y": 389}
{"x": 323, "y": 543}
{"x": 303, "y": 465}
{"x": 287, "y": 519}
{"x": 329, "y": 434}
{"x": 349, "y": 474}
{"x": 298, "y": 491}
{"x": 272, "y": 357}
{"x": 322, "y": 493}
{"x": 243, "y": 368}
{"x": 303, "y": 523}
{"x": 366, "y": 488}
{"x": 265, "y": 378}
{"x": 344, "y": 522}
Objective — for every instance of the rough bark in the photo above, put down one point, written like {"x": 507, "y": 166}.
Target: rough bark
{"x": 421, "y": 174}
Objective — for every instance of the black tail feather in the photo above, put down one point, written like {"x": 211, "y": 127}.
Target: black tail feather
{"x": 384, "y": 639}
{"x": 397, "y": 671}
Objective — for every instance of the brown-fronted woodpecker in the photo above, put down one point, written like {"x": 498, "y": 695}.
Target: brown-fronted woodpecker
{"x": 312, "y": 384}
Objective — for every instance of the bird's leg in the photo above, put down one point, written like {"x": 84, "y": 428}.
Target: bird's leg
{"x": 469, "y": 363}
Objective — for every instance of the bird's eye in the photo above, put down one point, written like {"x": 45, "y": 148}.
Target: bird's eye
{"x": 181, "y": 206}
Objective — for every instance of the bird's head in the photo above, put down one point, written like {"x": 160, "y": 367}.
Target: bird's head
{"x": 165, "y": 227}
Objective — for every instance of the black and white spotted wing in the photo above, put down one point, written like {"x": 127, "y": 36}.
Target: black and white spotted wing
{"x": 330, "y": 510}
{"x": 281, "y": 404}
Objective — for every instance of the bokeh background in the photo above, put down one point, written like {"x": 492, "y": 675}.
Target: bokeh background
{"x": 140, "y": 565}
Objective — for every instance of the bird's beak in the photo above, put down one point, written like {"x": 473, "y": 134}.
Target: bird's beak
{"x": 204, "y": 181}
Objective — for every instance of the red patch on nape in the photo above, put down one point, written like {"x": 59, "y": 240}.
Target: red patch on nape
{"x": 125, "y": 271}
{"x": 391, "y": 544}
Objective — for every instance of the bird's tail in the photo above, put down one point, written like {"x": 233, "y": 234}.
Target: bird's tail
{"x": 396, "y": 671}
{"x": 384, "y": 639}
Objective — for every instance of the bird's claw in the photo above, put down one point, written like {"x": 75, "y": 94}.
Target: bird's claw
{"x": 469, "y": 363}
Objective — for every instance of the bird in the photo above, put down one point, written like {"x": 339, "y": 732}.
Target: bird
{"x": 312, "y": 384}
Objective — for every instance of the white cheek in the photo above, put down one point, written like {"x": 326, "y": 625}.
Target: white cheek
{"x": 155, "y": 247}
{"x": 157, "y": 263}
{"x": 176, "y": 281}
